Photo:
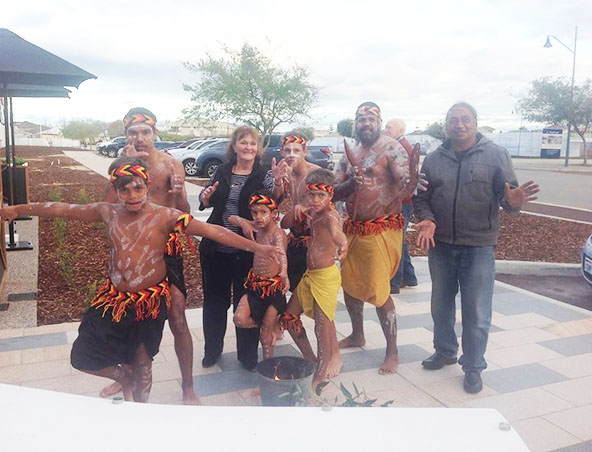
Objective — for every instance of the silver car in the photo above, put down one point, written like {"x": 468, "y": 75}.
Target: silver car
{"x": 188, "y": 155}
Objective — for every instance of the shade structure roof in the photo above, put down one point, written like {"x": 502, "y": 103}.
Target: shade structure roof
{"x": 27, "y": 70}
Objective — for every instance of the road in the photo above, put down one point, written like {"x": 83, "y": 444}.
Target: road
{"x": 564, "y": 188}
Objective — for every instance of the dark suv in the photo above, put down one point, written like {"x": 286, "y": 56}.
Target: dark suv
{"x": 210, "y": 158}
{"x": 109, "y": 148}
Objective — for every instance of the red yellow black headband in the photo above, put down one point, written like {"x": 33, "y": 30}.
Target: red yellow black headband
{"x": 319, "y": 187}
{"x": 263, "y": 200}
{"x": 139, "y": 118}
{"x": 129, "y": 170}
{"x": 294, "y": 139}
{"x": 367, "y": 110}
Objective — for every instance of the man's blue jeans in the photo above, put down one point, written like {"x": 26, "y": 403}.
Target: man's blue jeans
{"x": 473, "y": 270}
{"x": 406, "y": 271}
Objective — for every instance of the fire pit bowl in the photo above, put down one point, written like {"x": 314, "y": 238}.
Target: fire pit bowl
{"x": 284, "y": 380}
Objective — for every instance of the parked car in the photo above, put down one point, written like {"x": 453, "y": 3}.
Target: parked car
{"x": 187, "y": 155}
{"x": 110, "y": 147}
{"x": 212, "y": 156}
{"x": 587, "y": 260}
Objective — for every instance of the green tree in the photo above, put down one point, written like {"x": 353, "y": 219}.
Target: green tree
{"x": 115, "y": 128}
{"x": 436, "y": 130}
{"x": 345, "y": 127}
{"x": 83, "y": 130}
{"x": 548, "y": 100}
{"x": 246, "y": 87}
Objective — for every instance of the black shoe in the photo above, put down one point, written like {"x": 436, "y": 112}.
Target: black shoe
{"x": 209, "y": 361}
{"x": 406, "y": 283}
{"x": 437, "y": 361}
{"x": 249, "y": 366}
{"x": 472, "y": 382}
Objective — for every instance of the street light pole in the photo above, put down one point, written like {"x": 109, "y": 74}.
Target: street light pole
{"x": 573, "y": 75}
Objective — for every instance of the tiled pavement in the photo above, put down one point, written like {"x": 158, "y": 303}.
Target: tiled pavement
{"x": 539, "y": 375}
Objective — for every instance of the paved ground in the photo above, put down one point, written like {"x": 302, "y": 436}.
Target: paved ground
{"x": 539, "y": 374}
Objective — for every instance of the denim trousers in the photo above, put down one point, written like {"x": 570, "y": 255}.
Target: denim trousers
{"x": 472, "y": 269}
{"x": 406, "y": 271}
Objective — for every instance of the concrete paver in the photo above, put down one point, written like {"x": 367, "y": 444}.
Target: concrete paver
{"x": 535, "y": 378}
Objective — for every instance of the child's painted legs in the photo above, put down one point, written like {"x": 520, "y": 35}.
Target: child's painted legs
{"x": 242, "y": 315}
{"x": 325, "y": 345}
{"x": 298, "y": 333}
{"x": 267, "y": 335}
{"x": 183, "y": 344}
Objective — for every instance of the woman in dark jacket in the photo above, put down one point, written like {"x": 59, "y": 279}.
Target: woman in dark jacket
{"x": 225, "y": 268}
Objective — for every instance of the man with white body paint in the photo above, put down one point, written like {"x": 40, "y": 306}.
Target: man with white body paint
{"x": 167, "y": 188}
{"x": 374, "y": 228}
{"x": 287, "y": 179}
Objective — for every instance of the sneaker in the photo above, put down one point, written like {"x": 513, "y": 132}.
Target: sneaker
{"x": 472, "y": 382}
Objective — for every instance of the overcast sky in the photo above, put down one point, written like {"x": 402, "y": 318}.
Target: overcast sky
{"x": 414, "y": 60}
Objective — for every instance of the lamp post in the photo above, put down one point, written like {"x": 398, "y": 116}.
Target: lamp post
{"x": 573, "y": 74}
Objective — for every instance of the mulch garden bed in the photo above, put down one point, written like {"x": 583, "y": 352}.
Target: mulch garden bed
{"x": 66, "y": 285}
{"x": 70, "y": 274}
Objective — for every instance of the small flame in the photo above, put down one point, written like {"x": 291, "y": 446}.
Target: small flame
{"x": 276, "y": 378}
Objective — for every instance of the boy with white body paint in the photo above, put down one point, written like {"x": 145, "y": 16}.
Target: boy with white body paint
{"x": 167, "y": 188}
{"x": 267, "y": 281}
{"x": 316, "y": 294}
{"x": 121, "y": 332}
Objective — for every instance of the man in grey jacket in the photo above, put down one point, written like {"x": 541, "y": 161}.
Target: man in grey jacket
{"x": 469, "y": 177}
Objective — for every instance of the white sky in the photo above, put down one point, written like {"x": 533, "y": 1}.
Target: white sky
{"x": 413, "y": 60}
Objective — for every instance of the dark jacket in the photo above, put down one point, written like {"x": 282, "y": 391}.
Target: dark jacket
{"x": 218, "y": 200}
{"x": 463, "y": 198}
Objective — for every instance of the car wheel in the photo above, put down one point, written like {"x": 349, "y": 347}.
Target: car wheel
{"x": 211, "y": 167}
{"x": 190, "y": 167}
{"x": 112, "y": 153}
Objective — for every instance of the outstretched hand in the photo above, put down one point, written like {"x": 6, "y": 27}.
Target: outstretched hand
{"x": 301, "y": 212}
{"x": 425, "y": 238}
{"x": 176, "y": 181}
{"x": 516, "y": 197}
{"x": 207, "y": 193}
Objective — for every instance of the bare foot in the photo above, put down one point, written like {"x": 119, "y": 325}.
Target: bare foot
{"x": 279, "y": 334}
{"x": 110, "y": 390}
{"x": 390, "y": 364}
{"x": 335, "y": 364}
{"x": 190, "y": 398}
{"x": 352, "y": 341}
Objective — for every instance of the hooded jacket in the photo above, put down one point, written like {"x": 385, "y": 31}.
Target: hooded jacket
{"x": 464, "y": 197}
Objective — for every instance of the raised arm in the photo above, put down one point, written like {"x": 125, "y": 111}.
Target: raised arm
{"x": 90, "y": 212}
{"x": 297, "y": 215}
{"x": 339, "y": 238}
{"x": 226, "y": 237}
{"x": 177, "y": 185}
{"x": 280, "y": 241}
